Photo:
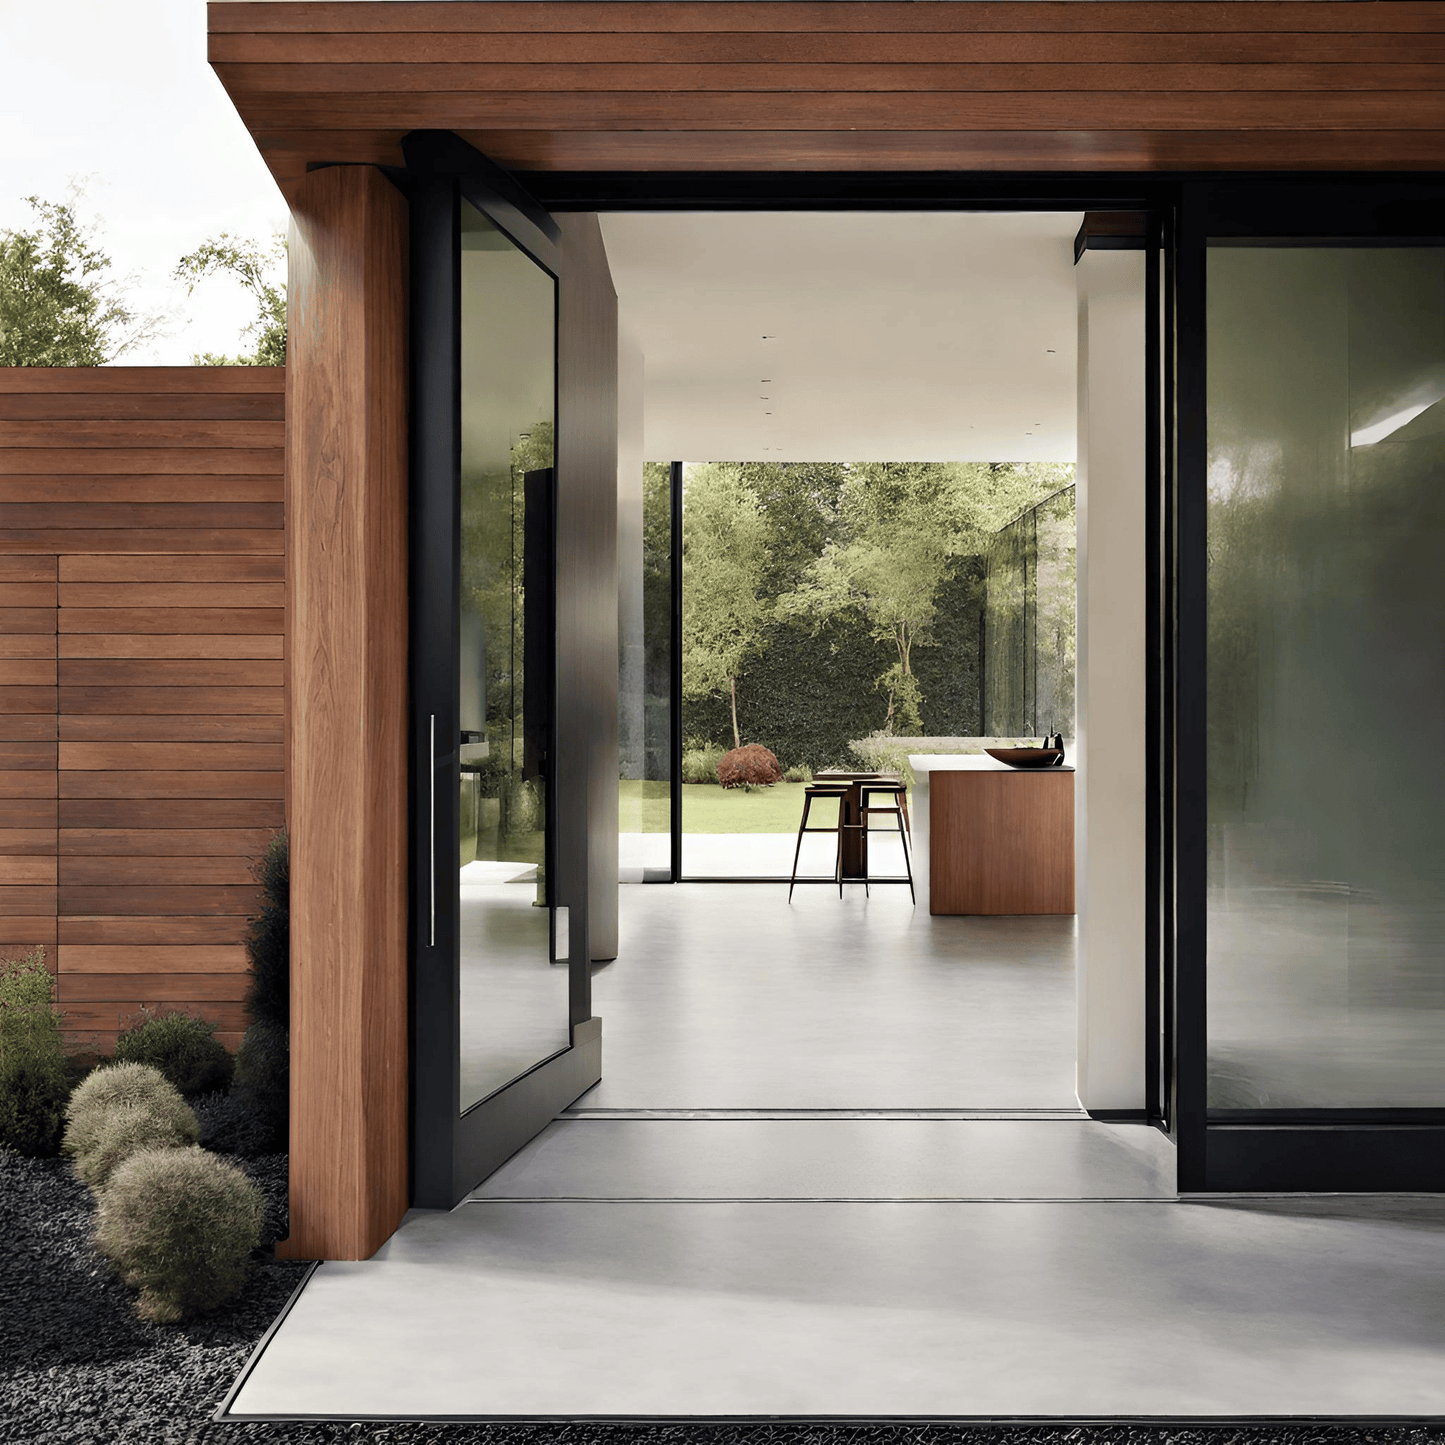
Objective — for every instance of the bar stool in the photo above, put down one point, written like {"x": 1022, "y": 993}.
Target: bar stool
{"x": 820, "y": 790}
{"x": 898, "y": 791}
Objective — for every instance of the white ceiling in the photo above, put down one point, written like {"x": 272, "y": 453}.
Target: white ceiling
{"x": 889, "y": 337}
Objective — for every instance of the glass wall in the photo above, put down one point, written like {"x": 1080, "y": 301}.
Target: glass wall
{"x": 1028, "y": 630}
{"x": 1326, "y": 679}
{"x": 514, "y": 1010}
{"x": 645, "y": 686}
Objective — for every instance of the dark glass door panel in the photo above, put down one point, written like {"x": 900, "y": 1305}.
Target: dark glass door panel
{"x": 1310, "y": 916}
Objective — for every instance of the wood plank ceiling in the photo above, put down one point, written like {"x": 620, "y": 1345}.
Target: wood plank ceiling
{"x": 1056, "y": 85}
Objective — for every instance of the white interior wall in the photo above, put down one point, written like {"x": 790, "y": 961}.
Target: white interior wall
{"x": 1110, "y": 662}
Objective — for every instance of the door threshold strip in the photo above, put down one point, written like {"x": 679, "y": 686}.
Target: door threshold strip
{"x": 821, "y": 1199}
{"x": 960, "y": 1115}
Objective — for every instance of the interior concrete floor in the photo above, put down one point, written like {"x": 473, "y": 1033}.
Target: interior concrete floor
{"x": 727, "y": 996}
{"x": 836, "y": 1168}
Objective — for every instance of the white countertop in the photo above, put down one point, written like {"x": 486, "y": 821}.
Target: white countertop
{"x": 956, "y": 762}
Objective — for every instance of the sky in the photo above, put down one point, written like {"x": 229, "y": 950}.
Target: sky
{"x": 118, "y": 96}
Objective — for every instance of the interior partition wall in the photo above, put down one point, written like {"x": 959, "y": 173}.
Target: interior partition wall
{"x": 1311, "y": 830}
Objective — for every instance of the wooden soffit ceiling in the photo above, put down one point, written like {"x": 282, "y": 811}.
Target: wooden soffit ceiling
{"x": 642, "y": 85}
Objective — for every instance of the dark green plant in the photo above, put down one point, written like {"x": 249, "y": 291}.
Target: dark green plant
{"x": 33, "y": 1084}
{"x": 253, "y": 1118}
{"x": 184, "y": 1048}
{"x": 179, "y": 1225}
{"x": 268, "y": 941}
{"x": 108, "y": 1137}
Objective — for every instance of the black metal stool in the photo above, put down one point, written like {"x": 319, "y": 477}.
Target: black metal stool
{"x": 898, "y": 791}
{"x": 820, "y": 790}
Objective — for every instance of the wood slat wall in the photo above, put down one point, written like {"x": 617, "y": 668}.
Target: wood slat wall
{"x": 1059, "y": 85}
{"x": 142, "y": 702}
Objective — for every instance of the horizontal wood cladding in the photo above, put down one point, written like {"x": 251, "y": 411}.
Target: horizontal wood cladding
{"x": 163, "y": 727}
{"x": 528, "y": 55}
{"x": 229, "y": 488}
{"x": 865, "y": 16}
{"x": 1082, "y": 85}
{"x": 802, "y": 79}
{"x": 142, "y": 657}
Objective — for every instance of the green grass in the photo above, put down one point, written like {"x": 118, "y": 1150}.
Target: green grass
{"x": 707, "y": 808}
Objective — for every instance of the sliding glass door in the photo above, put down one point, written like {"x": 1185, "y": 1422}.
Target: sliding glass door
{"x": 1315, "y": 533}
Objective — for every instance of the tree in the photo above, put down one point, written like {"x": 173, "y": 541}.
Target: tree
{"x": 903, "y": 525}
{"x": 724, "y": 554}
{"x": 249, "y": 263}
{"x": 58, "y": 305}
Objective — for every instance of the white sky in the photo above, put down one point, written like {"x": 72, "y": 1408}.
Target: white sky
{"x": 119, "y": 91}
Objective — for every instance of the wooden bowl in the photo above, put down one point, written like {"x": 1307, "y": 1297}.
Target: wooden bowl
{"x": 1027, "y": 757}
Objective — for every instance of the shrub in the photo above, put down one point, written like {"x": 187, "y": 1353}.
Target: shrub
{"x": 801, "y": 773}
{"x": 179, "y": 1225}
{"x": 119, "y": 1109}
{"x": 882, "y": 754}
{"x": 183, "y": 1048}
{"x": 253, "y": 1118}
{"x": 699, "y": 765}
{"x": 268, "y": 941}
{"x": 33, "y": 1083}
{"x": 111, "y": 1136}
{"x": 119, "y": 1084}
{"x": 751, "y": 765}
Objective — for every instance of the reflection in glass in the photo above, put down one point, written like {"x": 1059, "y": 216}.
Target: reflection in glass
{"x": 1029, "y": 606}
{"x": 1326, "y": 678}
{"x": 645, "y": 690}
{"x": 514, "y": 1010}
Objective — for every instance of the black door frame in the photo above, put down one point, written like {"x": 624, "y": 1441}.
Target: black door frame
{"x": 453, "y": 1150}
{"x": 1290, "y": 1154}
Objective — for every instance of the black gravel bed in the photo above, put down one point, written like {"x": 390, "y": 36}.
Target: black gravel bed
{"x": 77, "y": 1366}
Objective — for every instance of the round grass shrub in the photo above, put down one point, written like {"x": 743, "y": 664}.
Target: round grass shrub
{"x": 113, "y": 1084}
{"x": 119, "y": 1109}
{"x": 185, "y": 1049}
{"x": 179, "y": 1225}
{"x": 117, "y": 1133}
{"x": 751, "y": 765}
{"x": 33, "y": 1083}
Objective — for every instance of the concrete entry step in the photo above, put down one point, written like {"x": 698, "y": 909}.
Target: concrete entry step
{"x": 1043, "y": 1310}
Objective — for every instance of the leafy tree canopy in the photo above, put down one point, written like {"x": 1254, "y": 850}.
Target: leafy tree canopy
{"x": 58, "y": 304}
{"x": 901, "y": 527}
{"x": 725, "y": 554}
{"x": 249, "y": 263}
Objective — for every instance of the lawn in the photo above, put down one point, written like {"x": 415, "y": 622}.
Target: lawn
{"x": 707, "y": 808}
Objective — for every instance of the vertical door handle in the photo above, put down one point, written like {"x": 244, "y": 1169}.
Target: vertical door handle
{"x": 432, "y": 831}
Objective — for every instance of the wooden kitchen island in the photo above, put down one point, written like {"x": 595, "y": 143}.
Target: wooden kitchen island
{"x": 992, "y": 839}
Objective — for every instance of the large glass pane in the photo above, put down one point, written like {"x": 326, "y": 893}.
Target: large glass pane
{"x": 514, "y": 1010}
{"x": 645, "y": 681}
{"x": 1326, "y": 678}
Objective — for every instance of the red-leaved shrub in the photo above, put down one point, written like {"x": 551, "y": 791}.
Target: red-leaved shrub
{"x": 751, "y": 764}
